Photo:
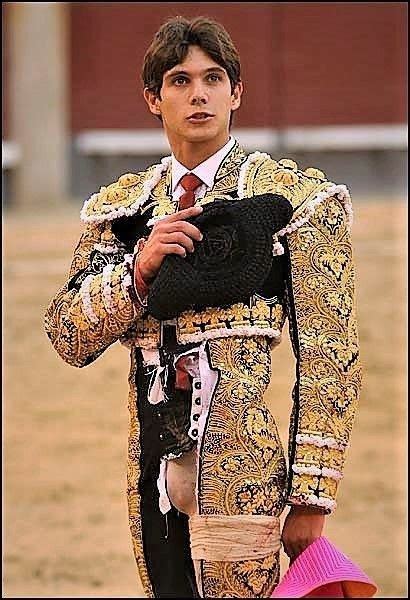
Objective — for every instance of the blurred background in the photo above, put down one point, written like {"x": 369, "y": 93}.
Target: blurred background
{"x": 325, "y": 85}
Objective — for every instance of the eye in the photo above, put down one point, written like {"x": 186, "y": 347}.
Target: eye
{"x": 214, "y": 77}
{"x": 179, "y": 80}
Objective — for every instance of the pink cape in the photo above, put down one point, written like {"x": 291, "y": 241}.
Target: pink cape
{"x": 323, "y": 571}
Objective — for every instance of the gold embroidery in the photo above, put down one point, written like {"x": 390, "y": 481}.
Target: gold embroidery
{"x": 244, "y": 579}
{"x": 316, "y": 173}
{"x": 284, "y": 177}
{"x": 129, "y": 179}
{"x": 261, "y": 315}
{"x": 243, "y": 465}
{"x": 229, "y": 167}
{"x": 133, "y": 475}
{"x": 120, "y": 195}
{"x": 330, "y": 371}
{"x": 163, "y": 198}
{"x": 288, "y": 163}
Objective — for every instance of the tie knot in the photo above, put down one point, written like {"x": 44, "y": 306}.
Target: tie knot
{"x": 190, "y": 182}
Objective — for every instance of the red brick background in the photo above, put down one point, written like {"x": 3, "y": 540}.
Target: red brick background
{"x": 303, "y": 63}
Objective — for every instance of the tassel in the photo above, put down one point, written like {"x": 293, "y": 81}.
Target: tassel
{"x": 277, "y": 249}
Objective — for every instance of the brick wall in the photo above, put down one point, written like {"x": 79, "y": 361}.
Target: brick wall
{"x": 303, "y": 63}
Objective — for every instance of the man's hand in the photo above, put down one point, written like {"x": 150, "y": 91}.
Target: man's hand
{"x": 303, "y": 525}
{"x": 171, "y": 235}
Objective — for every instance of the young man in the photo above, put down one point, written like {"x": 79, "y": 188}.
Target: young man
{"x": 207, "y": 477}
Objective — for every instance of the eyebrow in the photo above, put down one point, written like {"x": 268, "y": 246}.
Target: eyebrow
{"x": 182, "y": 72}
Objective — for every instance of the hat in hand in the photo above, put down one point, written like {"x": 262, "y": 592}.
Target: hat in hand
{"x": 231, "y": 262}
{"x": 323, "y": 571}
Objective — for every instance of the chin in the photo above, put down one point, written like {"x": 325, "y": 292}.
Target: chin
{"x": 203, "y": 134}
{"x": 201, "y": 137}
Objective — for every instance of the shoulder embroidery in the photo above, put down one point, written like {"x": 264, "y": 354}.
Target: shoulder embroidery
{"x": 261, "y": 174}
{"x": 124, "y": 197}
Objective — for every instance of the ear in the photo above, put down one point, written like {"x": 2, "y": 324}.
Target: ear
{"x": 153, "y": 101}
{"x": 236, "y": 96}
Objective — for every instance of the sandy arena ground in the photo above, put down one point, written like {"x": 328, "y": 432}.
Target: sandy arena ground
{"x": 65, "y": 429}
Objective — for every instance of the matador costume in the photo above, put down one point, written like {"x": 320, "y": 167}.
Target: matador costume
{"x": 243, "y": 481}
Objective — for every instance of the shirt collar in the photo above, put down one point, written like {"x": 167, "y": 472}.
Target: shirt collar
{"x": 206, "y": 171}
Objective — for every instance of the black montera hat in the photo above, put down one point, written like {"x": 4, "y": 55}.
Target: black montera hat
{"x": 229, "y": 264}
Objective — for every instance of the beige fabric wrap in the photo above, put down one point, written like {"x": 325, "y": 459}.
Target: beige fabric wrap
{"x": 233, "y": 538}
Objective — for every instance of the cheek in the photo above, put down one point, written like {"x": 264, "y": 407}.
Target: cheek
{"x": 171, "y": 110}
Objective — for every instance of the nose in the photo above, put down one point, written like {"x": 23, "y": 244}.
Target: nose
{"x": 199, "y": 93}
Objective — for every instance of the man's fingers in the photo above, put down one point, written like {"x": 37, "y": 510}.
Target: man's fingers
{"x": 174, "y": 249}
{"x": 193, "y": 211}
{"x": 184, "y": 227}
{"x": 294, "y": 549}
{"x": 177, "y": 237}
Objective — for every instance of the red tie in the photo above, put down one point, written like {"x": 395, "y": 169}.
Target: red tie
{"x": 190, "y": 183}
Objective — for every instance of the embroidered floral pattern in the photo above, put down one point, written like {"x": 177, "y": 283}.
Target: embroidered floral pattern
{"x": 243, "y": 464}
{"x": 330, "y": 371}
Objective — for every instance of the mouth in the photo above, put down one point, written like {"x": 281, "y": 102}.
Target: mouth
{"x": 200, "y": 117}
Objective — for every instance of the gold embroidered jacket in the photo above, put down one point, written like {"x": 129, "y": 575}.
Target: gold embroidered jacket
{"x": 96, "y": 307}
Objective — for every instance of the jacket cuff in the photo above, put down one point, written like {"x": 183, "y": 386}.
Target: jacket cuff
{"x": 316, "y": 470}
{"x": 107, "y": 292}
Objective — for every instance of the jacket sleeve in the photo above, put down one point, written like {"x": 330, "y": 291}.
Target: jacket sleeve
{"x": 323, "y": 329}
{"x": 96, "y": 306}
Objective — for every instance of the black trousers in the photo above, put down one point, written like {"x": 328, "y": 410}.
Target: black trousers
{"x": 165, "y": 537}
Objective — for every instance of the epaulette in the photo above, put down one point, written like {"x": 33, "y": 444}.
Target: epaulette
{"x": 266, "y": 175}
{"x": 124, "y": 197}
{"x": 304, "y": 189}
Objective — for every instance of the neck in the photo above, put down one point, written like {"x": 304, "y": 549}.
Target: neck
{"x": 192, "y": 154}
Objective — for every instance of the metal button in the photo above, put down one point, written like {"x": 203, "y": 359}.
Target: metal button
{"x": 197, "y": 385}
{"x": 195, "y": 432}
{"x": 196, "y": 417}
{"x": 161, "y": 436}
{"x": 197, "y": 400}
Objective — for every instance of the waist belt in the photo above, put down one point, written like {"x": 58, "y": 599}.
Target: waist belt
{"x": 168, "y": 340}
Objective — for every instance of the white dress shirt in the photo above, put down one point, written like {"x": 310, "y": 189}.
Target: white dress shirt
{"x": 206, "y": 172}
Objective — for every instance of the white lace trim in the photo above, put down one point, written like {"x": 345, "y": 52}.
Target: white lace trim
{"x": 340, "y": 191}
{"x": 321, "y": 502}
{"x": 146, "y": 344}
{"x": 343, "y": 194}
{"x": 246, "y": 331}
{"x": 320, "y": 442}
{"x": 243, "y": 173}
{"x": 332, "y": 473}
{"x": 86, "y": 299}
{"x": 123, "y": 211}
{"x": 126, "y": 284}
{"x": 106, "y": 288}
{"x": 317, "y": 471}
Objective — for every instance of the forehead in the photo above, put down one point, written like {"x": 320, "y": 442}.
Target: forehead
{"x": 195, "y": 60}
